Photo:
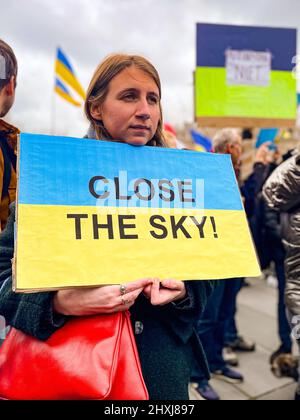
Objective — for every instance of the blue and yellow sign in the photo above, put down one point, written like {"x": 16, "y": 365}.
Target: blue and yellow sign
{"x": 245, "y": 76}
{"x": 93, "y": 212}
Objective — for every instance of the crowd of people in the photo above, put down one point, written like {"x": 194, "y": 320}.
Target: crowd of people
{"x": 217, "y": 326}
{"x": 185, "y": 331}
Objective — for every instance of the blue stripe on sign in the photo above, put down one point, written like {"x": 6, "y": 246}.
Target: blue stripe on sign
{"x": 214, "y": 40}
{"x": 58, "y": 170}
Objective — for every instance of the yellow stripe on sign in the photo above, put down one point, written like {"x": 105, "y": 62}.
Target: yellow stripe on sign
{"x": 88, "y": 246}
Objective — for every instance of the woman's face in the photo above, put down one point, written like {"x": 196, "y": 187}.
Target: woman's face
{"x": 130, "y": 111}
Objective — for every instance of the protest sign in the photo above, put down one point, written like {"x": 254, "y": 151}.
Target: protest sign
{"x": 94, "y": 212}
{"x": 267, "y": 135}
{"x": 245, "y": 76}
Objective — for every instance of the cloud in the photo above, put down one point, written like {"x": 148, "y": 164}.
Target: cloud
{"x": 88, "y": 30}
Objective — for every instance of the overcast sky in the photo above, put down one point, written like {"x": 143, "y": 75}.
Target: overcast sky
{"x": 88, "y": 30}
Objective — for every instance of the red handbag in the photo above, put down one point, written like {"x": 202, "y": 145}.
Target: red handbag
{"x": 91, "y": 358}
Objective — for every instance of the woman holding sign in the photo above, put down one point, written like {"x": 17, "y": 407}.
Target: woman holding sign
{"x": 124, "y": 104}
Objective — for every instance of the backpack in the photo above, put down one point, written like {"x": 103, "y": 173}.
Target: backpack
{"x": 9, "y": 160}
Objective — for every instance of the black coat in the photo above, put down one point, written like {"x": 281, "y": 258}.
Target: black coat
{"x": 165, "y": 336}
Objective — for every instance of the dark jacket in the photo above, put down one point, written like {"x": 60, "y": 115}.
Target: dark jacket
{"x": 255, "y": 209}
{"x": 282, "y": 193}
{"x": 253, "y": 186}
{"x": 165, "y": 336}
{"x": 273, "y": 233}
{"x": 8, "y": 178}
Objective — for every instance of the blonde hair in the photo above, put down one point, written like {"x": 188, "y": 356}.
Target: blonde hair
{"x": 98, "y": 89}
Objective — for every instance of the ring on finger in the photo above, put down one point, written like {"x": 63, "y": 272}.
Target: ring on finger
{"x": 122, "y": 289}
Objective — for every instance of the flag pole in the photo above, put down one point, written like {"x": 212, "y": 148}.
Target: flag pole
{"x": 52, "y": 123}
{"x": 53, "y": 114}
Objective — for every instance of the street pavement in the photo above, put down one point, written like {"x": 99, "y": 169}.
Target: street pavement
{"x": 257, "y": 320}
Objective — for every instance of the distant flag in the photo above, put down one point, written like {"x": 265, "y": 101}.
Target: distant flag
{"x": 204, "y": 144}
{"x": 62, "y": 91}
{"x": 65, "y": 72}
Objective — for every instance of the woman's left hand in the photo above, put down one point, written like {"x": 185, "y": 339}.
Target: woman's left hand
{"x": 166, "y": 291}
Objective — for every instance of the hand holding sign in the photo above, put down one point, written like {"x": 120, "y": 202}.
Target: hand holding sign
{"x": 100, "y": 300}
{"x": 263, "y": 154}
{"x": 164, "y": 292}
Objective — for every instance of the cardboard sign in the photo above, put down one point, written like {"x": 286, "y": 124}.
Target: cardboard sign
{"x": 93, "y": 212}
{"x": 248, "y": 68}
{"x": 245, "y": 76}
{"x": 267, "y": 135}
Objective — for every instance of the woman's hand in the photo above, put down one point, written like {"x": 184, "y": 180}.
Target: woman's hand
{"x": 164, "y": 292}
{"x": 100, "y": 300}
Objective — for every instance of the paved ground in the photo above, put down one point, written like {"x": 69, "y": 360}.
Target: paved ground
{"x": 257, "y": 321}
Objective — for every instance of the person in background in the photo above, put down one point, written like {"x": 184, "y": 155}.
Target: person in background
{"x": 272, "y": 227}
{"x": 8, "y": 142}
{"x": 265, "y": 226}
{"x": 282, "y": 194}
{"x": 8, "y": 133}
{"x": 217, "y": 324}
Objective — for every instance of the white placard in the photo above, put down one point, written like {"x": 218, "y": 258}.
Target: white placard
{"x": 248, "y": 68}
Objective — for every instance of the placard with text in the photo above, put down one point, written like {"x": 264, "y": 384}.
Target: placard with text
{"x": 94, "y": 212}
{"x": 245, "y": 76}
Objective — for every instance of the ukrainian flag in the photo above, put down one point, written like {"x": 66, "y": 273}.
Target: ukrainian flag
{"x": 65, "y": 72}
{"x": 80, "y": 239}
{"x": 203, "y": 143}
{"x": 62, "y": 91}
